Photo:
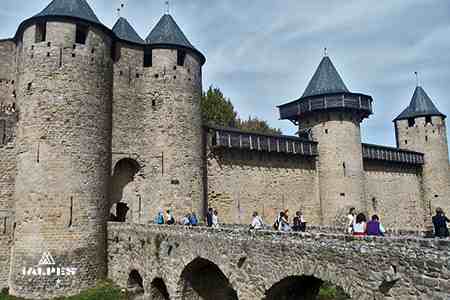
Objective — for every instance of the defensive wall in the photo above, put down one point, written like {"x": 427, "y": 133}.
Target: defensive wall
{"x": 172, "y": 262}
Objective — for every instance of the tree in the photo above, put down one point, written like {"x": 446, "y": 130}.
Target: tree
{"x": 218, "y": 110}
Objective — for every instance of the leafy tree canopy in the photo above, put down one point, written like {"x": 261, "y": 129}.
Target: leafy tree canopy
{"x": 219, "y": 110}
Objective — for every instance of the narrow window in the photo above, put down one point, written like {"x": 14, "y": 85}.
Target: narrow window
{"x": 411, "y": 122}
{"x": 406, "y": 142}
{"x": 41, "y": 32}
{"x": 3, "y": 131}
{"x": 426, "y": 138}
{"x": 153, "y": 103}
{"x": 428, "y": 120}
{"x": 71, "y": 212}
{"x": 181, "y": 56}
{"x": 326, "y": 131}
{"x": 81, "y": 34}
{"x": 148, "y": 58}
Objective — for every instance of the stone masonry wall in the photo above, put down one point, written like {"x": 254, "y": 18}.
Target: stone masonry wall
{"x": 241, "y": 182}
{"x": 430, "y": 139}
{"x": 166, "y": 136}
{"x": 394, "y": 192}
{"x": 7, "y": 75}
{"x": 253, "y": 262}
{"x": 64, "y": 159}
{"x": 341, "y": 175}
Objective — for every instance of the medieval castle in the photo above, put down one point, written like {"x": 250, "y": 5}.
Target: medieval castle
{"x": 97, "y": 121}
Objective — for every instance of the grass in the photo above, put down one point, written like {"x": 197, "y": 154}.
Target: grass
{"x": 104, "y": 290}
{"x": 331, "y": 292}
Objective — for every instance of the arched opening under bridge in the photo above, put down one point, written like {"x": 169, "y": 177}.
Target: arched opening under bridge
{"x": 203, "y": 280}
{"x": 159, "y": 290}
{"x": 135, "y": 286}
{"x": 294, "y": 288}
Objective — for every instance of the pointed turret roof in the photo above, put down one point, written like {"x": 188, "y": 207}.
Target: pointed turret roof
{"x": 168, "y": 32}
{"x": 126, "y": 32}
{"x": 326, "y": 80}
{"x": 421, "y": 105}
{"x": 70, "y": 8}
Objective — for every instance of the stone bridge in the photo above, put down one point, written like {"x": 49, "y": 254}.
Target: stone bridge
{"x": 174, "y": 262}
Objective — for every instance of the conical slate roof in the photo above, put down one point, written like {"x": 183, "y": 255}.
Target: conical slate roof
{"x": 126, "y": 32}
{"x": 326, "y": 80}
{"x": 420, "y": 106}
{"x": 70, "y": 8}
{"x": 167, "y": 32}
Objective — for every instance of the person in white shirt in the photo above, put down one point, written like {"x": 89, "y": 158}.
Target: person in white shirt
{"x": 350, "y": 220}
{"x": 215, "y": 219}
{"x": 257, "y": 222}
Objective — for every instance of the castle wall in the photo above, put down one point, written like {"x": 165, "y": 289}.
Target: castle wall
{"x": 7, "y": 75}
{"x": 430, "y": 139}
{"x": 167, "y": 136}
{"x": 341, "y": 176}
{"x": 241, "y": 182}
{"x": 64, "y": 142}
{"x": 394, "y": 193}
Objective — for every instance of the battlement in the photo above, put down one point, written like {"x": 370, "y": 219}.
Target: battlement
{"x": 384, "y": 153}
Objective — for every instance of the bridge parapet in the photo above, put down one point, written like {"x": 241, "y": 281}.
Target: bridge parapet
{"x": 254, "y": 262}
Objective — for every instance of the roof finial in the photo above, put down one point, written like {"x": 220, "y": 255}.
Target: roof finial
{"x": 122, "y": 5}
{"x": 325, "y": 52}
{"x": 417, "y": 78}
{"x": 167, "y": 7}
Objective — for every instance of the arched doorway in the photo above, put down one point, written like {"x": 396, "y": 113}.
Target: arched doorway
{"x": 135, "y": 286}
{"x": 159, "y": 290}
{"x": 203, "y": 280}
{"x": 295, "y": 287}
{"x": 124, "y": 197}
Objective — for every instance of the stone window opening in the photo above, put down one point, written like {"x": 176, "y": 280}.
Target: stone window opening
{"x": 60, "y": 57}
{"x": 148, "y": 58}
{"x": 70, "y": 212}
{"x": 426, "y": 138}
{"x": 181, "y": 56}
{"x": 3, "y": 131}
{"x": 4, "y": 224}
{"x": 326, "y": 131}
{"x": 406, "y": 142}
{"x": 49, "y": 44}
{"x": 41, "y": 32}
{"x": 428, "y": 120}
{"x": 411, "y": 122}
{"x": 124, "y": 174}
{"x": 153, "y": 103}
{"x": 344, "y": 167}
{"x": 48, "y": 54}
{"x": 29, "y": 86}
{"x": 374, "y": 204}
{"x": 81, "y": 34}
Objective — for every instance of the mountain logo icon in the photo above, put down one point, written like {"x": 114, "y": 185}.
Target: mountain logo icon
{"x": 47, "y": 260}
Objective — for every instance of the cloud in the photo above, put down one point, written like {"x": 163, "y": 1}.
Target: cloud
{"x": 262, "y": 53}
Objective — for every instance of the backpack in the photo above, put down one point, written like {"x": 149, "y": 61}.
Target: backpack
{"x": 160, "y": 219}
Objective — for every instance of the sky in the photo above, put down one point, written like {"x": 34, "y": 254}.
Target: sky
{"x": 262, "y": 53}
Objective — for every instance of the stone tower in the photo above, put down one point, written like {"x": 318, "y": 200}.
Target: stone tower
{"x": 421, "y": 127}
{"x": 170, "y": 95}
{"x": 331, "y": 115}
{"x": 64, "y": 151}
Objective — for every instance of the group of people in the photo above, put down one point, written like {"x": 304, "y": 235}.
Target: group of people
{"x": 358, "y": 226}
{"x": 282, "y": 222}
{"x": 189, "y": 219}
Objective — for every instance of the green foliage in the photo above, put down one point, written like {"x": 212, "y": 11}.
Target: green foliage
{"x": 329, "y": 291}
{"x": 104, "y": 290}
{"x": 218, "y": 110}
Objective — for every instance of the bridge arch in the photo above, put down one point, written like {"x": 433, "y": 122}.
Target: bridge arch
{"x": 158, "y": 290}
{"x": 295, "y": 287}
{"x": 193, "y": 285}
{"x": 135, "y": 285}
{"x": 123, "y": 190}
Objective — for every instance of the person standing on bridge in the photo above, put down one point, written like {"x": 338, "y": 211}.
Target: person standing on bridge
{"x": 360, "y": 226}
{"x": 215, "y": 219}
{"x": 440, "y": 224}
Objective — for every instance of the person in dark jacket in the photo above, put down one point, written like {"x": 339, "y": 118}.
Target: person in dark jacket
{"x": 440, "y": 224}
{"x": 374, "y": 227}
{"x": 209, "y": 217}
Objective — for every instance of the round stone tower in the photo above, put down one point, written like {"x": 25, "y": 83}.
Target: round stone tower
{"x": 64, "y": 151}
{"x": 421, "y": 127}
{"x": 171, "y": 94}
{"x": 331, "y": 115}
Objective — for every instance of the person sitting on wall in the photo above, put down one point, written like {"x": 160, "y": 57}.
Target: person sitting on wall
{"x": 169, "y": 217}
{"x": 440, "y": 224}
{"x": 159, "y": 219}
{"x": 193, "y": 219}
{"x": 185, "y": 220}
{"x": 257, "y": 222}
{"x": 360, "y": 226}
{"x": 299, "y": 222}
{"x": 284, "y": 223}
{"x": 350, "y": 220}
{"x": 374, "y": 227}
